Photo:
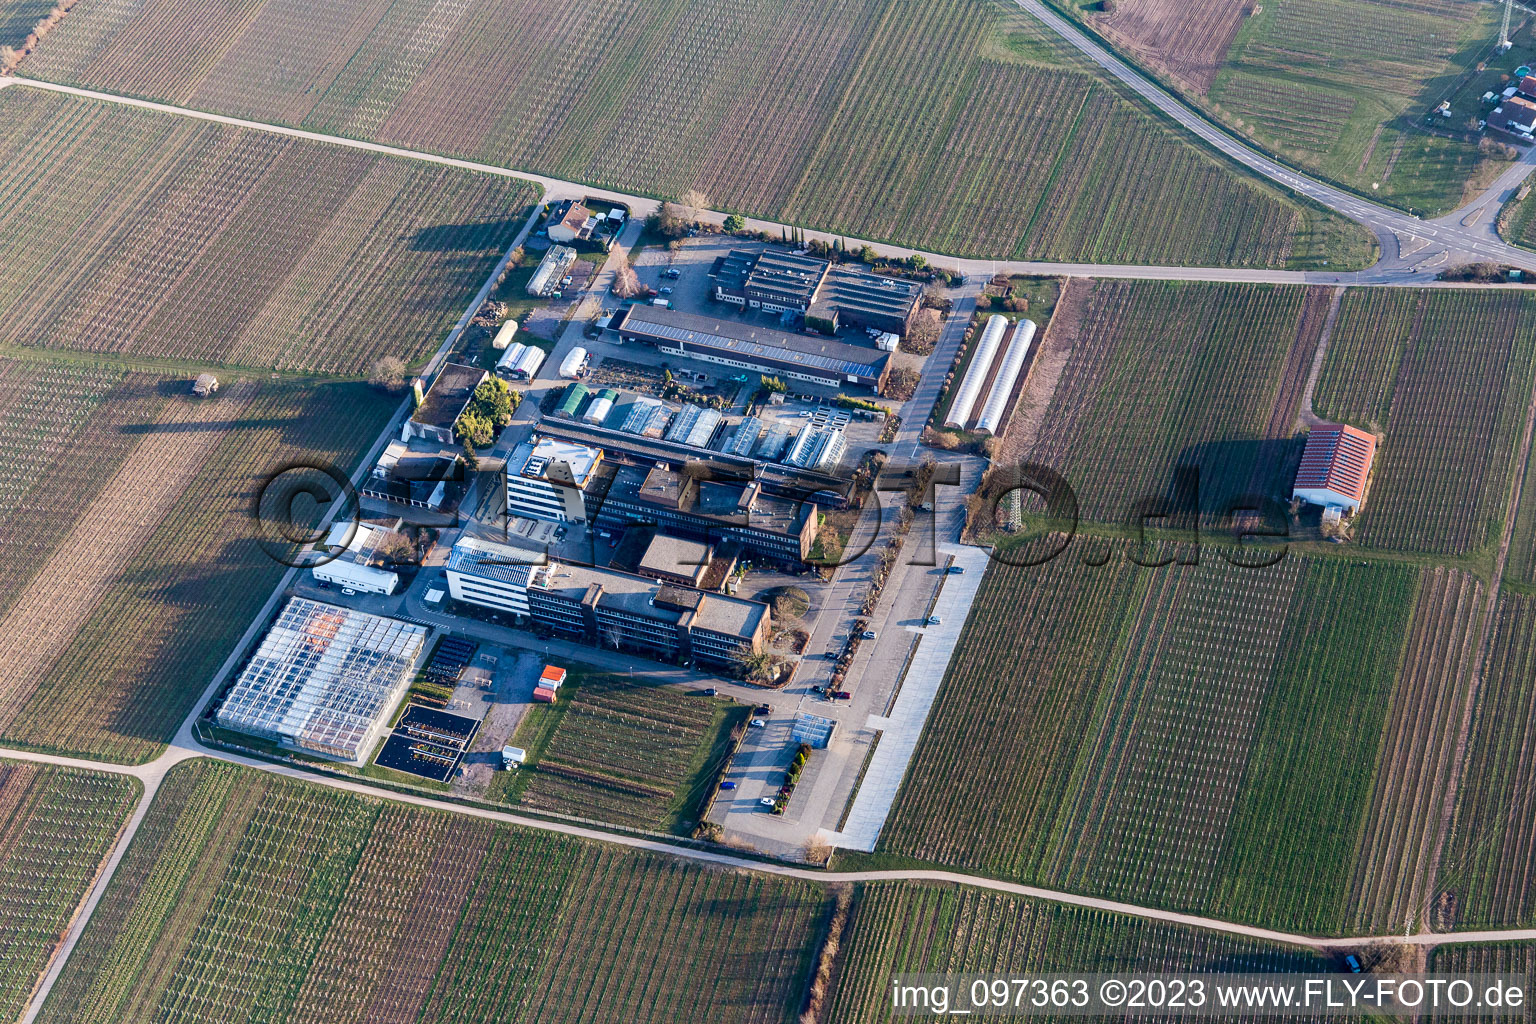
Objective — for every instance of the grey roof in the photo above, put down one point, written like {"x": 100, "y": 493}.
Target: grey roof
{"x": 676, "y": 555}
{"x": 854, "y": 290}
{"x": 450, "y": 393}
{"x": 749, "y": 342}
{"x": 636, "y": 594}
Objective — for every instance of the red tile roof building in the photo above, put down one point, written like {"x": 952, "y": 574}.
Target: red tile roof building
{"x": 1335, "y": 466}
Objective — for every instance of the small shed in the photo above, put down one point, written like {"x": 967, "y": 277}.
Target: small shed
{"x": 205, "y": 385}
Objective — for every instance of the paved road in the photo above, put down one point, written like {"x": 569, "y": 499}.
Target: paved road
{"x": 1397, "y": 231}
{"x": 151, "y": 775}
{"x": 1412, "y": 249}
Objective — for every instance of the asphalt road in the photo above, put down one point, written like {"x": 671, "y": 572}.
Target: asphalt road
{"x": 1396, "y": 231}
{"x": 1412, "y": 250}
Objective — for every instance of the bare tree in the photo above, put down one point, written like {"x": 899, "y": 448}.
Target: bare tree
{"x": 389, "y": 374}
{"x": 692, "y": 203}
{"x": 626, "y": 283}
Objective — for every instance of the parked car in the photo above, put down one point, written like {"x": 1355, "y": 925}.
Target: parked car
{"x": 868, "y": 634}
{"x": 711, "y": 692}
{"x": 672, "y": 273}
{"x": 956, "y": 570}
{"x": 758, "y": 723}
{"x": 934, "y": 620}
{"x": 767, "y": 801}
{"x": 831, "y": 655}
{"x": 349, "y": 591}
{"x": 763, "y": 709}
{"x": 323, "y": 584}
{"x": 727, "y": 785}
{"x": 666, "y": 290}
{"x": 841, "y": 695}
{"x": 1353, "y": 963}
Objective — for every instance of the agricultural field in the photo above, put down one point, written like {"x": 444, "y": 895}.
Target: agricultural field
{"x": 619, "y": 752}
{"x": 1483, "y": 879}
{"x": 144, "y": 234}
{"x": 884, "y": 115}
{"x": 1420, "y": 751}
{"x": 115, "y": 621}
{"x": 1160, "y": 375}
{"x": 1156, "y": 734}
{"x": 246, "y": 896}
{"x": 56, "y": 827}
{"x": 1347, "y": 105}
{"x": 17, "y": 18}
{"x": 914, "y": 928}
{"x": 1451, "y": 403}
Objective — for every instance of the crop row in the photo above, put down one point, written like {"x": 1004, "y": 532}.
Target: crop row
{"x": 900, "y": 928}
{"x": 56, "y": 825}
{"x": 1447, "y": 377}
{"x": 190, "y": 576}
{"x": 307, "y": 904}
{"x": 899, "y": 121}
{"x": 139, "y": 232}
{"x": 620, "y": 752}
{"x": 1167, "y": 375}
{"x": 1153, "y": 735}
{"x": 1484, "y": 878}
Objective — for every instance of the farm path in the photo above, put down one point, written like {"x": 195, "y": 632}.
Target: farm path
{"x": 153, "y": 773}
{"x": 1428, "y": 245}
{"x": 1304, "y": 415}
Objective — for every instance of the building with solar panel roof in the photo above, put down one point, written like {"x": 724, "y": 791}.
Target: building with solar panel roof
{"x": 813, "y": 359}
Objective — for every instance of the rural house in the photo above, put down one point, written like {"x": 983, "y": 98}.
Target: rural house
{"x": 1335, "y": 467}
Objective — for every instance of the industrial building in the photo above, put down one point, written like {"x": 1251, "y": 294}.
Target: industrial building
{"x": 829, "y": 295}
{"x": 851, "y": 296}
{"x": 1335, "y": 467}
{"x": 439, "y": 409}
{"x": 546, "y": 478}
{"x": 815, "y": 360}
{"x": 681, "y": 561}
{"x": 617, "y": 610}
{"x": 491, "y": 575}
{"x": 420, "y": 475}
{"x": 353, "y": 547}
{"x": 684, "y": 504}
{"x": 551, "y": 271}
{"x": 324, "y": 679}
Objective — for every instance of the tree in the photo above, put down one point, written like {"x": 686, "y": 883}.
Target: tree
{"x": 475, "y": 429}
{"x": 693, "y": 202}
{"x": 868, "y": 255}
{"x": 389, "y": 374}
{"x": 735, "y": 222}
{"x": 470, "y": 456}
{"x": 626, "y": 283}
{"x": 493, "y": 402}
{"x": 916, "y": 261}
{"x": 398, "y": 548}
{"x": 773, "y": 385}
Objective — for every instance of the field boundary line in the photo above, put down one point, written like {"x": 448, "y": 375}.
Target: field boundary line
{"x": 1482, "y": 653}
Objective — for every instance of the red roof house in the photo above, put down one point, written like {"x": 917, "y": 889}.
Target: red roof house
{"x": 1335, "y": 467}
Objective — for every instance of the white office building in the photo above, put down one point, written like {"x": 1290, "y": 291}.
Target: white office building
{"x": 491, "y": 575}
{"x": 546, "y": 477}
